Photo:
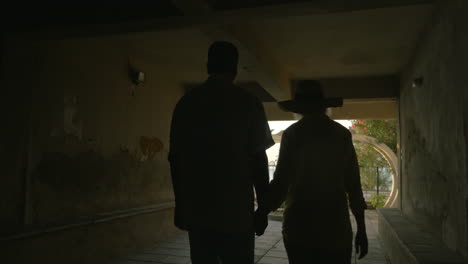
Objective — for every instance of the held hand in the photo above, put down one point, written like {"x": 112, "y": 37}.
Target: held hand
{"x": 260, "y": 222}
{"x": 361, "y": 244}
{"x": 179, "y": 220}
{"x": 179, "y": 223}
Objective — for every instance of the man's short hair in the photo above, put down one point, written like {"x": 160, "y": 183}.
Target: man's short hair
{"x": 223, "y": 57}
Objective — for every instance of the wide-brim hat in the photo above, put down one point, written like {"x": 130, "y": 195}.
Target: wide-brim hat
{"x": 308, "y": 97}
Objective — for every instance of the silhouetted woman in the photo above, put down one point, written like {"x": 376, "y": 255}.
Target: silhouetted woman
{"x": 317, "y": 174}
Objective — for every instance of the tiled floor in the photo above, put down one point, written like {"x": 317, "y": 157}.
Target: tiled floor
{"x": 269, "y": 248}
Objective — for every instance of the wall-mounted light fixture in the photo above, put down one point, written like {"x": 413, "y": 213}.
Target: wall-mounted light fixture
{"x": 137, "y": 77}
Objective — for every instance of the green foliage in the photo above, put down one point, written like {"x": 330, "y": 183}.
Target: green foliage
{"x": 369, "y": 157}
{"x": 385, "y": 131}
{"x": 283, "y": 205}
{"x": 377, "y": 200}
{"x": 369, "y": 178}
{"x": 372, "y": 164}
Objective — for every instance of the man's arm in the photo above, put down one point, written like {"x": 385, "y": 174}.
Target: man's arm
{"x": 174, "y": 162}
{"x": 356, "y": 197}
{"x": 173, "y": 150}
{"x": 278, "y": 187}
{"x": 261, "y": 177}
{"x": 260, "y": 140}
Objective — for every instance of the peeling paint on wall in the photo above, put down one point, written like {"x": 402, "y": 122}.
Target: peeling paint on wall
{"x": 87, "y": 183}
{"x": 93, "y": 152}
{"x": 150, "y": 146}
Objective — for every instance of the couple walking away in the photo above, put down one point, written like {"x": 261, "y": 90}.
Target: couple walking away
{"x": 219, "y": 134}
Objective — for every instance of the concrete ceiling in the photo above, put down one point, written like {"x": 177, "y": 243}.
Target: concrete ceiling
{"x": 279, "y": 41}
{"x": 45, "y": 15}
{"x": 358, "y": 43}
{"x": 339, "y": 45}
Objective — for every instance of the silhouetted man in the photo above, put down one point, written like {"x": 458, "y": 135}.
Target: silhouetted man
{"x": 218, "y": 139}
{"x": 317, "y": 173}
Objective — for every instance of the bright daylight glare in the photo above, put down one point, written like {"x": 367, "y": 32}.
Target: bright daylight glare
{"x": 278, "y": 126}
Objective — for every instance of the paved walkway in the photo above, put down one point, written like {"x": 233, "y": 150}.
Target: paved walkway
{"x": 269, "y": 248}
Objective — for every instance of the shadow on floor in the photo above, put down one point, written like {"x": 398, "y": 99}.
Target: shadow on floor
{"x": 269, "y": 248}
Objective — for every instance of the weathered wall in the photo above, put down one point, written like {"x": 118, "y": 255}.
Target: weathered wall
{"x": 433, "y": 129}
{"x": 15, "y": 104}
{"x": 86, "y": 128}
{"x": 79, "y": 131}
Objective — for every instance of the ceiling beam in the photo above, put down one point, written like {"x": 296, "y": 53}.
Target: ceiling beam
{"x": 366, "y": 109}
{"x": 360, "y": 87}
{"x": 306, "y": 8}
{"x": 251, "y": 86}
{"x": 373, "y": 97}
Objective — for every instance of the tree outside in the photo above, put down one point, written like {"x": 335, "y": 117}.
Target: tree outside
{"x": 385, "y": 131}
{"x": 376, "y": 173}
